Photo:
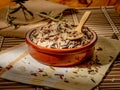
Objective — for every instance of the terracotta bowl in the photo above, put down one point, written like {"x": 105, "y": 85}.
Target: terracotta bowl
{"x": 61, "y": 57}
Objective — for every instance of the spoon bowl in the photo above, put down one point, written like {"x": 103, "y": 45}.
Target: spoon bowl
{"x": 78, "y": 30}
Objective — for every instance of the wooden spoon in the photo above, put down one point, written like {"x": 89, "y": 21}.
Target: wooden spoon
{"x": 80, "y": 25}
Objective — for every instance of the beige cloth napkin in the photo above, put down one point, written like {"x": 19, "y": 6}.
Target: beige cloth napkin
{"x": 35, "y": 6}
{"x": 17, "y": 65}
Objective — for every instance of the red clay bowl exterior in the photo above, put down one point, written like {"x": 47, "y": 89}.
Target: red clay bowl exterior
{"x": 61, "y": 57}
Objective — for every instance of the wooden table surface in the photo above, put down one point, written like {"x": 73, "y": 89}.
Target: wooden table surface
{"x": 95, "y": 3}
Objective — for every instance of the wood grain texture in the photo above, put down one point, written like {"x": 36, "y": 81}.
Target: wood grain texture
{"x": 94, "y": 3}
{"x": 76, "y": 3}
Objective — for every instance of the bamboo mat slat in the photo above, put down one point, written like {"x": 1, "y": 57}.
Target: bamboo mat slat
{"x": 105, "y": 21}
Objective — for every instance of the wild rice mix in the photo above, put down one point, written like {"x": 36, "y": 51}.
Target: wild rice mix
{"x": 55, "y": 34}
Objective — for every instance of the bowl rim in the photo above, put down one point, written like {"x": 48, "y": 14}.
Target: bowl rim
{"x": 51, "y": 50}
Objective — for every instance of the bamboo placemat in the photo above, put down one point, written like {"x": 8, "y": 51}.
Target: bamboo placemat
{"x": 105, "y": 21}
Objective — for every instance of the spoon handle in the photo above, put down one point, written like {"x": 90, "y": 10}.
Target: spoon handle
{"x": 83, "y": 20}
